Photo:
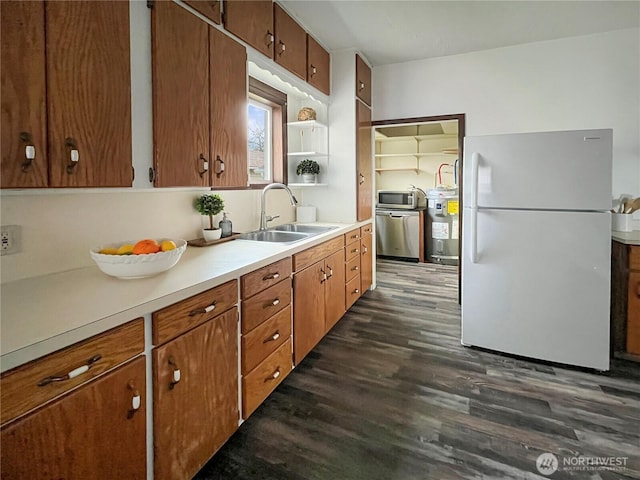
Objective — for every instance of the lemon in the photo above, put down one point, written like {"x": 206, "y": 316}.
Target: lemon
{"x": 126, "y": 249}
{"x": 109, "y": 251}
{"x": 167, "y": 245}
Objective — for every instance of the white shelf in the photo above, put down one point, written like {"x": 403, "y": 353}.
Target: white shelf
{"x": 306, "y": 124}
{"x": 306, "y": 185}
{"x": 307, "y": 154}
{"x": 438, "y": 136}
{"x": 429, "y": 154}
{"x": 408, "y": 169}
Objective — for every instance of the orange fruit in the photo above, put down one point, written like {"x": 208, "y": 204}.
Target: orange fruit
{"x": 146, "y": 246}
{"x": 167, "y": 245}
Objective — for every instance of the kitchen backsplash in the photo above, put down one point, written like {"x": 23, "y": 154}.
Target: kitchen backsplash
{"x": 57, "y": 230}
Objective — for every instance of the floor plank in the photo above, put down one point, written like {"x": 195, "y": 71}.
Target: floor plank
{"x": 390, "y": 394}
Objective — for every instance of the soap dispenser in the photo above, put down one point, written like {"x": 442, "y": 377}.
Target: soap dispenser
{"x": 225, "y": 225}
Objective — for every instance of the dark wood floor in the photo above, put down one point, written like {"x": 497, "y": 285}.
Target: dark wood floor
{"x": 391, "y": 394}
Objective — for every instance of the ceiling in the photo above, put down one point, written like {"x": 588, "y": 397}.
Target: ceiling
{"x": 394, "y": 31}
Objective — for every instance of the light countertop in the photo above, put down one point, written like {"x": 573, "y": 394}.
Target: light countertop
{"x": 43, "y": 314}
{"x": 629, "y": 238}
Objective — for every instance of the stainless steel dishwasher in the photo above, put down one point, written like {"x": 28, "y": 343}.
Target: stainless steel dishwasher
{"x": 398, "y": 233}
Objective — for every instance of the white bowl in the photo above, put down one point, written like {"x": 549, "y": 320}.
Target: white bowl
{"x": 137, "y": 266}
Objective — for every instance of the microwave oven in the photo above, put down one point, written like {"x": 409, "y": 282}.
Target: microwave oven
{"x": 401, "y": 199}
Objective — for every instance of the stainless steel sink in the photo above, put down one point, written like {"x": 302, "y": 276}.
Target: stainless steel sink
{"x": 274, "y": 236}
{"x": 294, "y": 227}
{"x": 287, "y": 233}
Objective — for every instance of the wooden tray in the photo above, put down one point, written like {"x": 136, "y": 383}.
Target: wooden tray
{"x": 201, "y": 242}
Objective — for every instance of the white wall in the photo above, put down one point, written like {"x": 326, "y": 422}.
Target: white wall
{"x": 580, "y": 82}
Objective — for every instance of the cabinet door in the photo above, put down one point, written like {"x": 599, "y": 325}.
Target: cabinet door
{"x": 89, "y": 94}
{"x": 228, "y": 122}
{"x": 363, "y": 81}
{"x": 208, "y": 8}
{"x": 92, "y": 432}
{"x": 195, "y": 396}
{"x": 291, "y": 43}
{"x": 308, "y": 309}
{"x": 180, "y": 69}
{"x": 633, "y": 320}
{"x": 318, "y": 66}
{"x": 366, "y": 262}
{"x": 365, "y": 180}
{"x": 251, "y": 21}
{"x": 23, "y": 95}
{"x": 334, "y": 293}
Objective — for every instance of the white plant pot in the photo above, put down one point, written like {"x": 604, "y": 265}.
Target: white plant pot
{"x": 309, "y": 178}
{"x": 211, "y": 235}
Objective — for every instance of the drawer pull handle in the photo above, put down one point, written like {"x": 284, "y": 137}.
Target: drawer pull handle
{"x": 275, "y": 302}
{"x": 273, "y": 337}
{"x": 207, "y": 309}
{"x": 136, "y": 401}
{"x": 205, "y": 165}
{"x": 330, "y": 272}
{"x": 355, "y": 250}
{"x": 274, "y": 375}
{"x": 361, "y": 85}
{"x": 74, "y": 154}
{"x": 72, "y": 374}
{"x": 324, "y": 276}
{"x": 29, "y": 151}
{"x": 270, "y": 38}
{"x": 356, "y": 291}
{"x": 176, "y": 373}
{"x": 355, "y": 269}
{"x": 354, "y": 236}
{"x": 365, "y": 250}
{"x": 272, "y": 276}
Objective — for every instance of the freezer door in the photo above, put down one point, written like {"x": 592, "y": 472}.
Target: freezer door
{"x": 568, "y": 170}
{"x": 539, "y": 284}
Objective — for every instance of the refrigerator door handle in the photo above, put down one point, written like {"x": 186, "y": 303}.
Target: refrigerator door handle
{"x": 473, "y": 234}
{"x": 475, "y": 160}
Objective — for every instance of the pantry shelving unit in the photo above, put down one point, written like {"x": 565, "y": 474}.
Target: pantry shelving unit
{"x": 417, "y": 155}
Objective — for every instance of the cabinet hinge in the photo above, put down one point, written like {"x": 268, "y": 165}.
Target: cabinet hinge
{"x": 152, "y": 174}
{"x": 150, "y": 3}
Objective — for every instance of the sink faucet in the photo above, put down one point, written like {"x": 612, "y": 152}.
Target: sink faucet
{"x": 264, "y": 218}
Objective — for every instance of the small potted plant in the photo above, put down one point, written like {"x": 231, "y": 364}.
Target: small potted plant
{"x": 211, "y": 205}
{"x": 309, "y": 169}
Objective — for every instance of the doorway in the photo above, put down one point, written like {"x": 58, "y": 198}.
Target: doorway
{"x": 426, "y": 153}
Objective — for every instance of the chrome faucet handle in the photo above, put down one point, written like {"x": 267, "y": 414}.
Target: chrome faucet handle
{"x": 268, "y": 218}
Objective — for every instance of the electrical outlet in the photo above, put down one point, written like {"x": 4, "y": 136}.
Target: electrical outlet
{"x": 9, "y": 239}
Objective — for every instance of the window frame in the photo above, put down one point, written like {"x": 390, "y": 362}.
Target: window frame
{"x": 277, "y": 100}
{"x": 260, "y": 104}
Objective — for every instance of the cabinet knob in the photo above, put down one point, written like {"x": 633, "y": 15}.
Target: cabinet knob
{"x": 324, "y": 276}
{"x": 274, "y": 375}
{"x": 74, "y": 155}
{"x": 220, "y": 164}
{"x": 356, "y": 291}
{"x": 355, "y": 250}
{"x": 365, "y": 250}
{"x": 355, "y": 268}
{"x": 270, "y": 38}
{"x": 136, "y": 400}
{"x": 314, "y": 70}
{"x": 283, "y": 47}
{"x": 275, "y": 302}
{"x": 205, "y": 165}
{"x": 361, "y": 85}
{"x": 362, "y": 178}
{"x": 29, "y": 151}
{"x": 273, "y": 337}
{"x": 176, "y": 375}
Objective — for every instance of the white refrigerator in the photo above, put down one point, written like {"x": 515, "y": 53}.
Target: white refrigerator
{"x": 536, "y": 245}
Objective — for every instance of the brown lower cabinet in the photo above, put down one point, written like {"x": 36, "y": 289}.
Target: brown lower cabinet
{"x": 95, "y": 431}
{"x": 195, "y": 396}
{"x": 625, "y": 300}
{"x": 366, "y": 260}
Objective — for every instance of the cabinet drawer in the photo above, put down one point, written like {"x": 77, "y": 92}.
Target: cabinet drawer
{"x": 312, "y": 255}
{"x": 19, "y": 390}
{"x": 263, "y": 340}
{"x": 352, "y": 291}
{"x": 257, "y": 281}
{"x": 366, "y": 230}
{"x": 257, "y": 385}
{"x": 352, "y": 236}
{"x": 634, "y": 258}
{"x": 265, "y": 304}
{"x": 352, "y": 251}
{"x": 352, "y": 268}
{"x": 176, "y": 319}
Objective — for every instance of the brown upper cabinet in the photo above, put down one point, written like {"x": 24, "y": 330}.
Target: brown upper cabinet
{"x": 363, "y": 80}
{"x": 318, "y": 66}
{"x": 208, "y": 8}
{"x": 251, "y": 21}
{"x": 199, "y": 102}
{"x": 364, "y": 186}
{"x": 290, "y": 43}
{"x": 46, "y": 45}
